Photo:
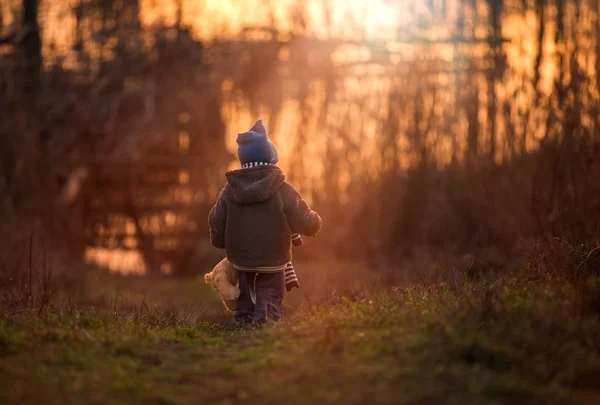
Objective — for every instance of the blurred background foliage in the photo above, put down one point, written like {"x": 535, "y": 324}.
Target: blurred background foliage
{"x": 431, "y": 127}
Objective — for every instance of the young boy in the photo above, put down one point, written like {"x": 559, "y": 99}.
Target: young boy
{"x": 254, "y": 218}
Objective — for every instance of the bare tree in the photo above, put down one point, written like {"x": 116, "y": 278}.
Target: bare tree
{"x": 31, "y": 42}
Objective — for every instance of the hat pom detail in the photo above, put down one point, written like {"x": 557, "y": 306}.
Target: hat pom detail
{"x": 259, "y": 127}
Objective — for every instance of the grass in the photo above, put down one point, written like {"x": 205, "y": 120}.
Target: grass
{"x": 504, "y": 340}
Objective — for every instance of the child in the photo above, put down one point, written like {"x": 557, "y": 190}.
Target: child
{"x": 254, "y": 218}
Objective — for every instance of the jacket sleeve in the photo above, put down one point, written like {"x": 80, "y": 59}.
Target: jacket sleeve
{"x": 217, "y": 221}
{"x": 300, "y": 217}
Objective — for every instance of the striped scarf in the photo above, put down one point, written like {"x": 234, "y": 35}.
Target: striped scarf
{"x": 291, "y": 280}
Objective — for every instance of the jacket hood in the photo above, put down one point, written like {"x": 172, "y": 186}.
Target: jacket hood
{"x": 255, "y": 184}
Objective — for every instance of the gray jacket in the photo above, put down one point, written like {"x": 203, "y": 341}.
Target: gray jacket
{"x": 254, "y": 217}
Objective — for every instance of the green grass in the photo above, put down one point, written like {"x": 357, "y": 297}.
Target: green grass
{"x": 507, "y": 341}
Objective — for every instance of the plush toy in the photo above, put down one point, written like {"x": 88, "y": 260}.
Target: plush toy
{"x": 224, "y": 279}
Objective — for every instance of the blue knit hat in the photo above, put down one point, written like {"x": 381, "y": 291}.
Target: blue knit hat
{"x": 253, "y": 146}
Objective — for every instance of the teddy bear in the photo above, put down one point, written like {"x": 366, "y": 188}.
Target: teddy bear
{"x": 224, "y": 279}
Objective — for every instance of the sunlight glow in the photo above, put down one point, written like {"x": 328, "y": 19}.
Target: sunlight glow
{"x": 396, "y": 46}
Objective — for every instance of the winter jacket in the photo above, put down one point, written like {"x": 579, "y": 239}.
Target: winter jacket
{"x": 255, "y": 216}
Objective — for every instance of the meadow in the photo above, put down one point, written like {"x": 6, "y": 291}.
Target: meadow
{"x": 530, "y": 334}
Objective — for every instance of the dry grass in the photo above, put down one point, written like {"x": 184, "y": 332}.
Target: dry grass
{"x": 527, "y": 335}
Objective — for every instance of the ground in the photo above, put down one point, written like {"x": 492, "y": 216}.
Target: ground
{"x": 506, "y": 340}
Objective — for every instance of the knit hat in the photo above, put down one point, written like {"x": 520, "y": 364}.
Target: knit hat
{"x": 253, "y": 146}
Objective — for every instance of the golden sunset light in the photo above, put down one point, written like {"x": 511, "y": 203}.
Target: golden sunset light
{"x": 299, "y": 202}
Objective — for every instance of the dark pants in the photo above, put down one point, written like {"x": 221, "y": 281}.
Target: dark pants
{"x": 261, "y": 297}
